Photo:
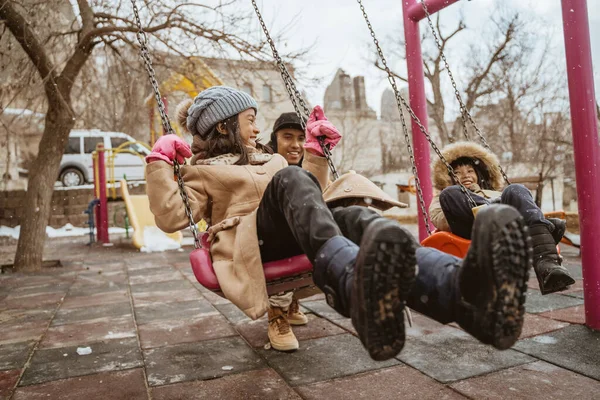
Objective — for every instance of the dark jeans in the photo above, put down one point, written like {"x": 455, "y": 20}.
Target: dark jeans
{"x": 292, "y": 217}
{"x": 457, "y": 209}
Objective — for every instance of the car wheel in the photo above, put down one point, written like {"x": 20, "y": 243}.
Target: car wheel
{"x": 71, "y": 177}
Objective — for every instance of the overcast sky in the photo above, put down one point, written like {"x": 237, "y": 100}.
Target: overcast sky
{"x": 338, "y": 37}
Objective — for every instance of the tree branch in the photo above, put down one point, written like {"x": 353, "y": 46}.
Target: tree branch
{"x": 496, "y": 56}
{"x": 382, "y": 68}
{"x": 87, "y": 17}
{"x": 30, "y": 43}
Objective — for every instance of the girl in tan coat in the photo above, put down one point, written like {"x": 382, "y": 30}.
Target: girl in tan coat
{"x": 478, "y": 170}
{"x": 260, "y": 210}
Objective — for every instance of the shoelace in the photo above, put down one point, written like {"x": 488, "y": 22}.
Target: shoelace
{"x": 282, "y": 325}
{"x": 294, "y": 307}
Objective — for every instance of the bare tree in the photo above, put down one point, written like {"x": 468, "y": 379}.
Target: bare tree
{"x": 179, "y": 28}
{"x": 358, "y": 130}
{"x": 484, "y": 59}
{"x": 553, "y": 142}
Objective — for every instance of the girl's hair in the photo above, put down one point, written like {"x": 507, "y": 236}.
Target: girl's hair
{"x": 483, "y": 175}
{"x": 273, "y": 143}
{"x": 218, "y": 143}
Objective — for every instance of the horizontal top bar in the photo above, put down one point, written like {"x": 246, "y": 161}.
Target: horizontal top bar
{"x": 416, "y": 13}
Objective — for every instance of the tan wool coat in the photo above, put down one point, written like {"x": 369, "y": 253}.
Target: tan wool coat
{"x": 227, "y": 196}
{"x": 441, "y": 178}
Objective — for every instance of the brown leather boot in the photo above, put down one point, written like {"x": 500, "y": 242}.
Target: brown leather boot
{"x": 280, "y": 332}
{"x": 295, "y": 316}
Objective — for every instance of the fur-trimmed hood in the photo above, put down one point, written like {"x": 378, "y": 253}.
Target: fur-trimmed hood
{"x": 441, "y": 178}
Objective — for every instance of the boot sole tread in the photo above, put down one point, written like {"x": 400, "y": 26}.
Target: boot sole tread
{"x": 387, "y": 272}
{"x": 511, "y": 259}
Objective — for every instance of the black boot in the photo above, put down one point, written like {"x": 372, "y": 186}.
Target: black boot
{"x": 560, "y": 227}
{"x": 551, "y": 275}
{"x": 371, "y": 283}
{"x": 485, "y": 292}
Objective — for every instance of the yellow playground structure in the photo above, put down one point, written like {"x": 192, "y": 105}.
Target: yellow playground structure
{"x": 195, "y": 76}
{"x": 140, "y": 217}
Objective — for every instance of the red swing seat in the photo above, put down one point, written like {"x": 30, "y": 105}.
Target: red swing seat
{"x": 281, "y": 275}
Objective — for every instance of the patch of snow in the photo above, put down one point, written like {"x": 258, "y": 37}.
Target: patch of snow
{"x": 156, "y": 240}
{"x": 8, "y": 231}
{"x": 544, "y": 339}
{"x": 187, "y": 241}
{"x": 23, "y": 112}
{"x": 59, "y": 186}
{"x": 84, "y": 351}
{"x": 117, "y": 335}
{"x": 66, "y": 231}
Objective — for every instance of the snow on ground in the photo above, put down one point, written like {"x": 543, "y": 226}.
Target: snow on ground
{"x": 156, "y": 240}
{"x": 22, "y": 112}
{"x": 65, "y": 231}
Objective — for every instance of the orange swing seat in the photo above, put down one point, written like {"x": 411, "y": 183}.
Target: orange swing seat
{"x": 451, "y": 243}
{"x": 448, "y": 243}
{"x": 282, "y": 275}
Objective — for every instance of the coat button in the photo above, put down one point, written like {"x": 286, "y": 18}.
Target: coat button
{"x": 260, "y": 172}
{"x": 347, "y": 189}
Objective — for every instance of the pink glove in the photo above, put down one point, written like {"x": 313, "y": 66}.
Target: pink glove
{"x": 168, "y": 148}
{"x": 317, "y": 126}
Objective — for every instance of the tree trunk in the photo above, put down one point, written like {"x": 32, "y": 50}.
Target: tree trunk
{"x": 539, "y": 192}
{"x": 40, "y": 187}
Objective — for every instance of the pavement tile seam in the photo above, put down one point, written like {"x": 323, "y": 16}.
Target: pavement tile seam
{"x": 491, "y": 372}
{"x": 547, "y": 361}
{"x": 41, "y": 338}
{"x": 338, "y": 324}
{"x": 137, "y": 336}
{"x": 483, "y": 374}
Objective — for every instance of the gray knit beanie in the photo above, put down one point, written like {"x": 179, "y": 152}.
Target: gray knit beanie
{"x": 214, "y": 105}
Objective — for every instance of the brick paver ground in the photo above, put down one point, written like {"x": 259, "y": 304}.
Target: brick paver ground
{"x": 155, "y": 333}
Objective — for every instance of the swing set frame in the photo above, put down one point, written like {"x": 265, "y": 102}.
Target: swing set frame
{"x": 583, "y": 120}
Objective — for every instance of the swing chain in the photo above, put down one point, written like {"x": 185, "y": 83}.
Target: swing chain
{"x": 464, "y": 112}
{"x": 293, "y": 93}
{"x": 404, "y": 127}
{"x": 400, "y": 99}
{"x": 145, "y": 54}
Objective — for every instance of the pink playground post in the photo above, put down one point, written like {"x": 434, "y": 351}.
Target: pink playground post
{"x": 586, "y": 149}
{"x": 583, "y": 120}
{"x": 418, "y": 102}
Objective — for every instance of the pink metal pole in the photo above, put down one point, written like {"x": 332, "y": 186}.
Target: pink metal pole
{"x": 586, "y": 148}
{"x": 416, "y": 13}
{"x": 102, "y": 227}
{"x": 416, "y": 91}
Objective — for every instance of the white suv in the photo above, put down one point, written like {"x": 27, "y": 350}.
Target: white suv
{"x": 76, "y": 166}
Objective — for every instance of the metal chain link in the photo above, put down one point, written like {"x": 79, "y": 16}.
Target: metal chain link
{"x": 296, "y": 98}
{"x": 145, "y": 54}
{"x": 464, "y": 112}
{"x": 400, "y": 101}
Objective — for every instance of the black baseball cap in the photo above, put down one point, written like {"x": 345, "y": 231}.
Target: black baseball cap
{"x": 287, "y": 120}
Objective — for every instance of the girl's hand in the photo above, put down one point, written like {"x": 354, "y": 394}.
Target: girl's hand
{"x": 319, "y": 126}
{"x": 168, "y": 148}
